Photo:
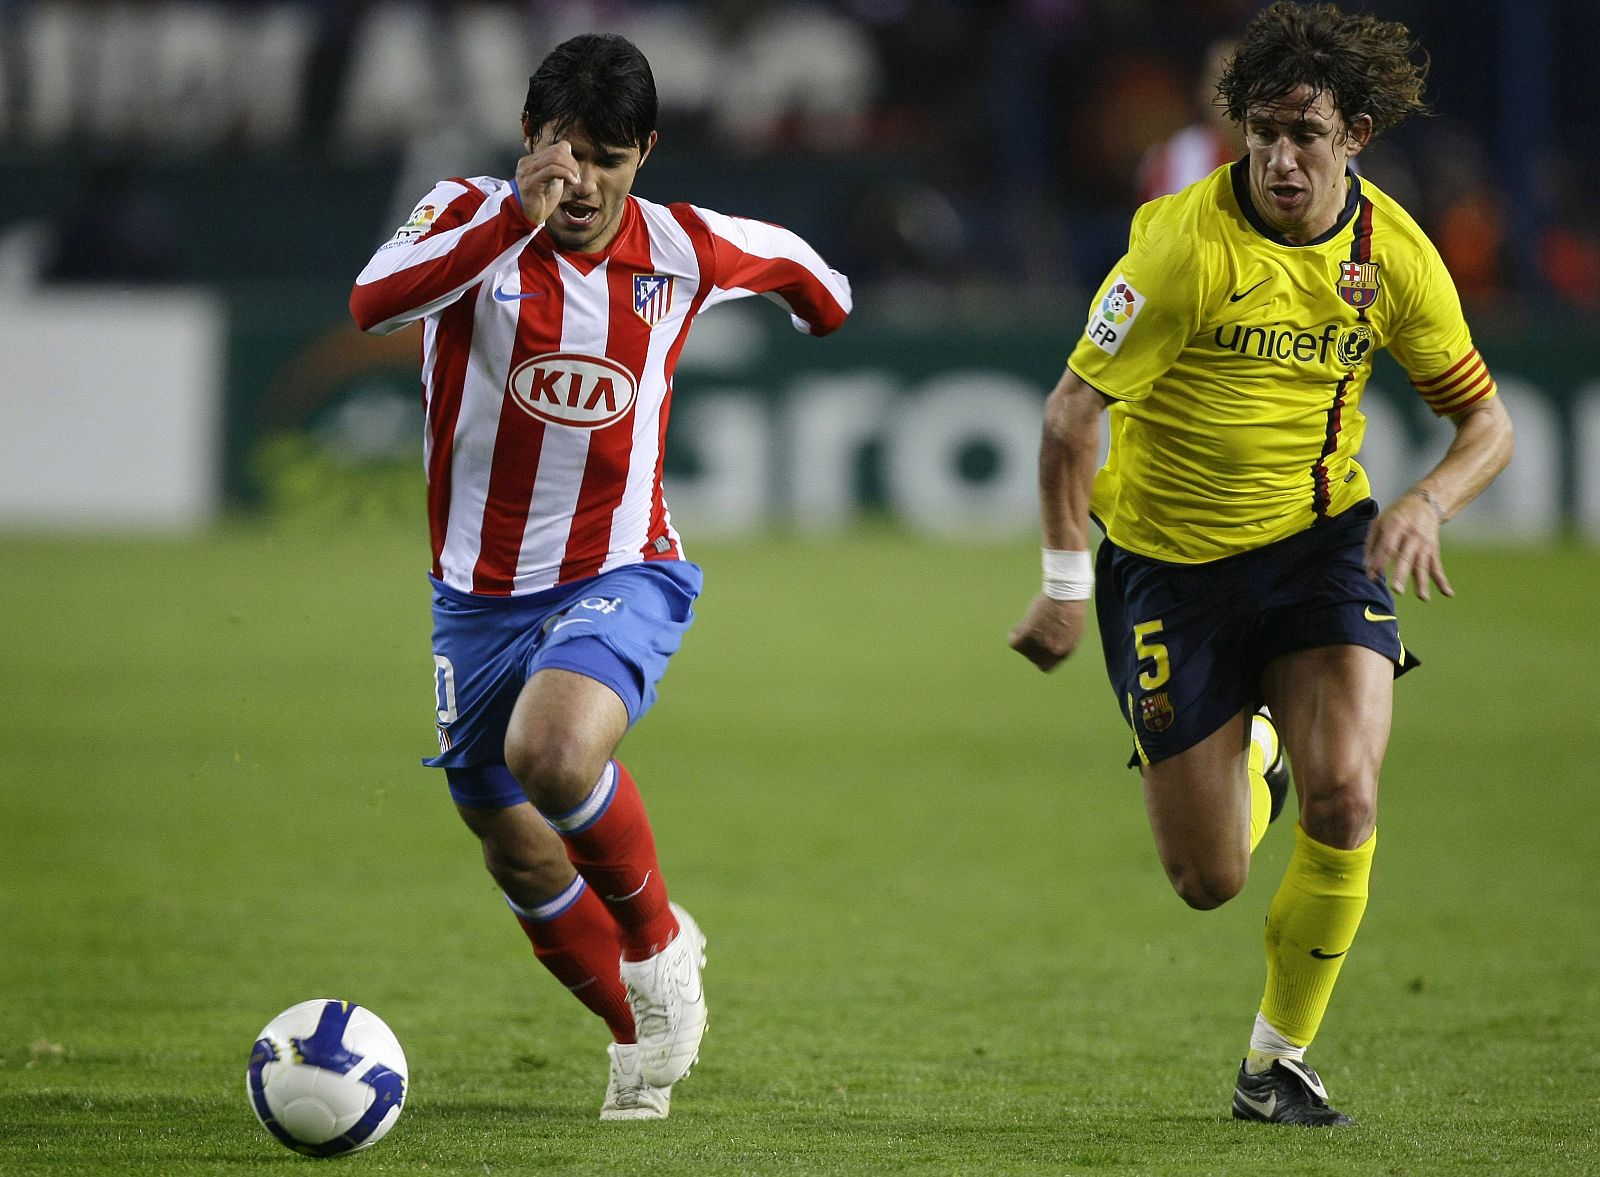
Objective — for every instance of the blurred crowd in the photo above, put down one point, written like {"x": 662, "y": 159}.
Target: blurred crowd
{"x": 968, "y": 153}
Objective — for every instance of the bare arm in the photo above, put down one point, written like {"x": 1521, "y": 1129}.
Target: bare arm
{"x": 1067, "y": 451}
{"x": 1405, "y": 537}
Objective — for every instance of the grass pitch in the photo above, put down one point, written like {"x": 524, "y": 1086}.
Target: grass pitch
{"x": 939, "y": 938}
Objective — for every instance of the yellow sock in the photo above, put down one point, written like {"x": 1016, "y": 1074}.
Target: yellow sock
{"x": 1260, "y": 795}
{"x": 1310, "y": 926}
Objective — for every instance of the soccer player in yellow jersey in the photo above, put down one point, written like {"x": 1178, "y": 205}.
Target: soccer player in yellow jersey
{"x": 1244, "y": 562}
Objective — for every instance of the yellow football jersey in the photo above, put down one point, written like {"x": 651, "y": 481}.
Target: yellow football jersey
{"x": 1236, "y": 362}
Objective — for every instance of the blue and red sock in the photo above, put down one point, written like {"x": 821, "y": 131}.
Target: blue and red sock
{"x": 608, "y": 839}
{"x": 574, "y": 936}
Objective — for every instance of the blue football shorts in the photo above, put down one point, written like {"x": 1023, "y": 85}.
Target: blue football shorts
{"x": 1185, "y": 644}
{"x": 618, "y": 628}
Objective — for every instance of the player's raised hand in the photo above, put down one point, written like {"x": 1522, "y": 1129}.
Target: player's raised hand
{"x": 1404, "y": 540}
{"x": 1049, "y": 632}
{"x": 542, "y": 177}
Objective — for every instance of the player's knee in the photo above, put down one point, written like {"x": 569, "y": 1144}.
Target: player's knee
{"x": 1341, "y": 814}
{"x": 556, "y": 769}
{"x": 1207, "y": 886}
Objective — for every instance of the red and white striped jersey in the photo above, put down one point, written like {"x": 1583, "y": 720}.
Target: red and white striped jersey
{"x": 547, "y": 375}
{"x": 1173, "y": 164}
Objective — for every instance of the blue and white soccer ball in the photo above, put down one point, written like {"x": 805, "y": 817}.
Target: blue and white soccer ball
{"x": 327, "y": 1077}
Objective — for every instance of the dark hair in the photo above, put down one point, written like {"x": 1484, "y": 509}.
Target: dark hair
{"x": 1368, "y": 66}
{"x": 600, "y": 80}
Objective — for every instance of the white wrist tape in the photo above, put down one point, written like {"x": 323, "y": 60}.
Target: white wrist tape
{"x": 1068, "y": 576}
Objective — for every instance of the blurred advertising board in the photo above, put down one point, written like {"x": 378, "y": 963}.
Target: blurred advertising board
{"x": 112, "y": 409}
{"x": 935, "y": 426}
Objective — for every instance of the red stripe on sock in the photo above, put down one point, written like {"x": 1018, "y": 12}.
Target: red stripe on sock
{"x": 581, "y": 948}
{"x": 617, "y": 858}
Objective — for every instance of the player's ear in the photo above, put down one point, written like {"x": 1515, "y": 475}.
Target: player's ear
{"x": 645, "y": 148}
{"x": 527, "y": 132}
{"x": 1358, "y": 134}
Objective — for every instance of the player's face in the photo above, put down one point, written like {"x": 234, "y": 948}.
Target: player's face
{"x": 590, "y": 212}
{"x": 1298, "y": 150}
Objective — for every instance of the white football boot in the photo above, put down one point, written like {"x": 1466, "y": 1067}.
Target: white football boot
{"x": 669, "y": 1003}
{"x": 628, "y": 1096}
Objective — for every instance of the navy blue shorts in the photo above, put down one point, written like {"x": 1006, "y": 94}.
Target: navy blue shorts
{"x": 1185, "y": 644}
{"x": 618, "y": 628}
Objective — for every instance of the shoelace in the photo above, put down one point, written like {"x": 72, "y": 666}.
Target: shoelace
{"x": 649, "y": 1018}
{"x": 629, "y": 1095}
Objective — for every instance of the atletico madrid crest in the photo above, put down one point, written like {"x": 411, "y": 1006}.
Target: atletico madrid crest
{"x": 652, "y": 296}
{"x": 1358, "y": 283}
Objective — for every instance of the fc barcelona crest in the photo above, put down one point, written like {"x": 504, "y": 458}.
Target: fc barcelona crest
{"x": 1358, "y": 283}
{"x": 1155, "y": 712}
{"x": 652, "y": 296}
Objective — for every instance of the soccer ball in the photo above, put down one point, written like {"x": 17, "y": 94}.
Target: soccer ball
{"x": 327, "y": 1077}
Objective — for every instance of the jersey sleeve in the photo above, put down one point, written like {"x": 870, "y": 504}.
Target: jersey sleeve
{"x": 1144, "y": 313}
{"x": 460, "y": 231}
{"x": 1432, "y": 342}
{"x": 754, "y": 257}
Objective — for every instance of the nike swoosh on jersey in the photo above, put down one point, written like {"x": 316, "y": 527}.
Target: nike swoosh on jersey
{"x": 1371, "y": 616}
{"x": 502, "y": 296}
{"x": 1321, "y": 955}
{"x": 1245, "y": 293}
{"x": 571, "y": 621}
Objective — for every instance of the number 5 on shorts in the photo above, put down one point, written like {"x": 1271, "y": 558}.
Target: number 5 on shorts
{"x": 1151, "y": 679}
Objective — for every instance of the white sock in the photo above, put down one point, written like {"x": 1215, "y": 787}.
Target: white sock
{"x": 1266, "y": 1044}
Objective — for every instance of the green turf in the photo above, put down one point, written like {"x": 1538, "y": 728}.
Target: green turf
{"x": 939, "y": 938}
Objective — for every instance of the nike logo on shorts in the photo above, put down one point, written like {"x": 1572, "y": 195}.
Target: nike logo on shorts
{"x": 1371, "y": 616}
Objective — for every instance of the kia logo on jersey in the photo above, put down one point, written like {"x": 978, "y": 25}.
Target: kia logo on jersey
{"x": 585, "y": 392}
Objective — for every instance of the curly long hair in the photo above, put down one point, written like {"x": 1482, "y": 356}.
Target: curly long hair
{"x": 1367, "y": 65}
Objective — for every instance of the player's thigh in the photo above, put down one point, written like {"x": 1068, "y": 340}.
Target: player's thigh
{"x": 1176, "y": 645}
{"x": 1333, "y": 706}
{"x": 594, "y": 673}
{"x": 1198, "y": 802}
{"x": 563, "y": 729}
{"x": 623, "y": 628}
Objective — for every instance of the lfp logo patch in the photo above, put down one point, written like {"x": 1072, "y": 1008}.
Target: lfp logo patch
{"x": 416, "y": 228}
{"x": 1114, "y": 315}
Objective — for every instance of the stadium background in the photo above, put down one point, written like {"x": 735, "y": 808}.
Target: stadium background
{"x": 941, "y": 941}
{"x": 189, "y": 189}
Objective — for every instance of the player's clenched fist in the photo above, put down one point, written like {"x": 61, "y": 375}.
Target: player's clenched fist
{"x": 542, "y": 176}
{"x": 1049, "y": 632}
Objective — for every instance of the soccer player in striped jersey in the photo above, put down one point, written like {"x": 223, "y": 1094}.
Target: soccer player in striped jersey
{"x": 554, "y": 307}
{"x": 1244, "y": 562}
